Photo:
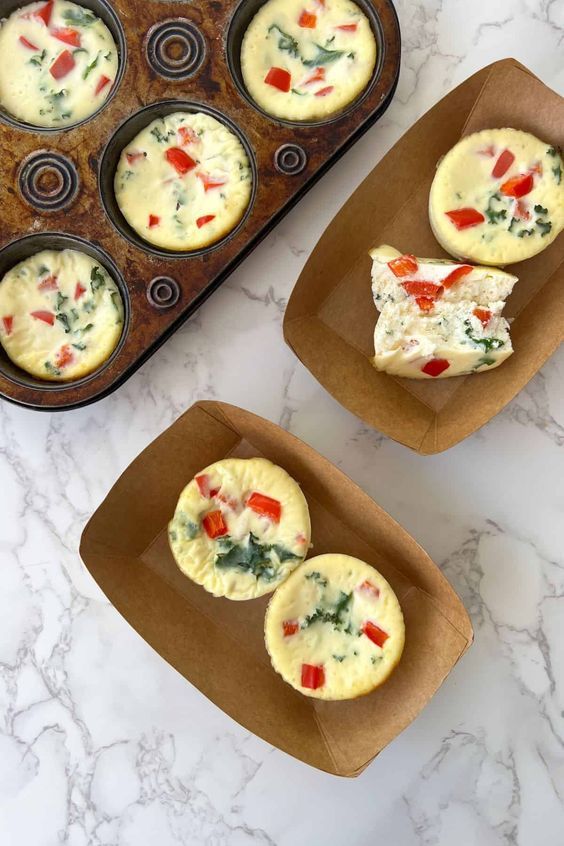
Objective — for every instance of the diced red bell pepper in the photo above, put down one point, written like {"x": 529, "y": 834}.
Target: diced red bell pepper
{"x": 210, "y": 182}
{"x": 102, "y": 82}
{"x": 45, "y": 316}
{"x": 350, "y": 27}
{"x": 79, "y": 291}
{"x": 205, "y": 218}
{"x": 502, "y": 165}
{"x": 435, "y": 367}
{"x": 456, "y": 274}
{"x": 422, "y": 289}
{"x": 425, "y": 303}
{"x": 188, "y": 135}
{"x": 375, "y": 633}
{"x": 403, "y": 265}
{"x": 318, "y": 75}
{"x": 229, "y": 501}
{"x": 290, "y": 627}
{"x": 134, "y": 157}
{"x": 279, "y": 78}
{"x": 64, "y": 356}
{"x": 464, "y": 218}
{"x": 518, "y": 186}
{"x": 50, "y": 283}
{"x": 307, "y": 20}
{"x": 487, "y": 151}
{"x": 67, "y": 34}
{"x": 484, "y": 315}
{"x": 214, "y": 524}
{"x": 313, "y": 676}
{"x": 45, "y": 12}
{"x": 536, "y": 168}
{"x": 8, "y": 323}
{"x": 154, "y": 220}
{"x": 27, "y": 43}
{"x": 369, "y": 588}
{"x": 204, "y": 485}
{"x": 180, "y": 160}
{"x": 521, "y": 211}
{"x": 323, "y": 92}
{"x": 266, "y": 506}
{"x": 62, "y": 65}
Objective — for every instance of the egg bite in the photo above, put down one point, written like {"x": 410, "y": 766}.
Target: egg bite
{"x": 307, "y": 61}
{"x": 240, "y": 527}
{"x": 58, "y": 63}
{"x": 61, "y": 315}
{"x": 334, "y": 629}
{"x": 184, "y": 182}
{"x": 498, "y": 197}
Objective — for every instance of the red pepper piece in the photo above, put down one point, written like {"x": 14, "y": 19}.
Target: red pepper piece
{"x": 204, "y": 485}
{"x": 134, "y": 157}
{"x": 350, "y": 27}
{"x": 8, "y": 323}
{"x": 64, "y": 356}
{"x": 214, "y": 524}
{"x": 484, "y": 315}
{"x": 368, "y": 587}
{"x": 102, "y": 82}
{"x": 521, "y": 210}
{"x": 375, "y": 633}
{"x": 403, "y": 265}
{"x": 323, "y": 92}
{"x": 313, "y": 676}
{"x": 187, "y": 135}
{"x": 205, "y": 218}
{"x": 456, "y": 274}
{"x": 266, "y": 506}
{"x": 317, "y": 76}
{"x": 45, "y": 12}
{"x": 62, "y": 65}
{"x": 425, "y": 303}
{"x": 518, "y": 186}
{"x": 290, "y": 627}
{"x": 211, "y": 181}
{"x": 536, "y": 168}
{"x": 27, "y": 43}
{"x": 180, "y": 160}
{"x": 279, "y": 78}
{"x": 230, "y": 502}
{"x": 48, "y": 284}
{"x": 502, "y": 165}
{"x": 79, "y": 291}
{"x": 45, "y": 316}
{"x": 435, "y": 367}
{"x": 307, "y": 20}
{"x": 154, "y": 220}
{"x": 422, "y": 289}
{"x": 464, "y": 218}
{"x": 67, "y": 34}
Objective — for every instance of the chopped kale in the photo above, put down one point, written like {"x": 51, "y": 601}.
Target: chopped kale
{"x": 185, "y": 526}
{"x": 79, "y": 16}
{"x": 494, "y": 215}
{"x": 483, "y": 361}
{"x": 323, "y": 57}
{"x": 161, "y": 138}
{"x": 525, "y": 232}
{"x": 557, "y": 171}
{"x": 540, "y": 209}
{"x": 552, "y": 151}
{"x": 38, "y": 59}
{"x": 317, "y": 577}
{"x": 252, "y": 557}
{"x": 60, "y": 301}
{"x": 89, "y": 68}
{"x": 97, "y": 279}
{"x": 64, "y": 319}
{"x": 339, "y": 658}
{"x": 286, "y": 42}
{"x": 79, "y": 346}
{"x": 51, "y": 369}
{"x": 544, "y": 226}
{"x": 487, "y": 343}
{"x": 332, "y": 615}
{"x": 43, "y": 270}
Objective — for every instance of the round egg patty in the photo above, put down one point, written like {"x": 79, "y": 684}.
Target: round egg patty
{"x": 307, "y": 61}
{"x": 240, "y": 527}
{"x": 58, "y": 63}
{"x": 184, "y": 182}
{"x": 498, "y": 197}
{"x": 334, "y": 629}
{"x": 61, "y": 315}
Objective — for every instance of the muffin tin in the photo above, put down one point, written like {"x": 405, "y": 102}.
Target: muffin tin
{"x": 56, "y": 189}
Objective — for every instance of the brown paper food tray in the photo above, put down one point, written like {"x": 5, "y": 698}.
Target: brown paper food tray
{"x": 330, "y": 318}
{"x": 218, "y": 644}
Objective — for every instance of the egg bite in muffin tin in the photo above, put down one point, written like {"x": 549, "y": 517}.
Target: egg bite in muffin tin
{"x": 175, "y": 222}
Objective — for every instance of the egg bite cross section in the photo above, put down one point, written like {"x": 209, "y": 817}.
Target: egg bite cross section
{"x": 334, "y": 629}
{"x": 240, "y": 527}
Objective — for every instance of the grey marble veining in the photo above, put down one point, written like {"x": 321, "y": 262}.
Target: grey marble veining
{"x": 103, "y": 744}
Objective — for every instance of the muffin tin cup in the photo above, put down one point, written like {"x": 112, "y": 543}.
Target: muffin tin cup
{"x": 179, "y": 58}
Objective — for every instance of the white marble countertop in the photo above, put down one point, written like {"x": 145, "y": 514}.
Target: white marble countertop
{"x": 102, "y": 743}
